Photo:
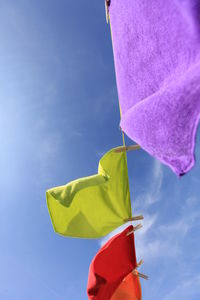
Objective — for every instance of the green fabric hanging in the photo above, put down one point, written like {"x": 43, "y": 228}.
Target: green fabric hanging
{"x": 93, "y": 206}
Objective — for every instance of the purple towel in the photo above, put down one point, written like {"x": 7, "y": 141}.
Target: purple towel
{"x": 157, "y": 60}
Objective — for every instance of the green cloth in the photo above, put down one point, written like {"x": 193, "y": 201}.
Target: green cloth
{"x": 93, "y": 206}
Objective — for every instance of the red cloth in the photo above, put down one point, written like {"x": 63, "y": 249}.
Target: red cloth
{"x": 114, "y": 261}
{"x": 129, "y": 289}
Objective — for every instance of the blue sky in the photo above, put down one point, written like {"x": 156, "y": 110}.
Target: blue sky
{"x": 58, "y": 115}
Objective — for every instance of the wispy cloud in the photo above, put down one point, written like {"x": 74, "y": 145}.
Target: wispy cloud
{"x": 156, "y": 239}
{"x": 148, "y": 244}
{"x": 158, "y": 177}
{"x": 153, "y": 195}
{"x": 152, "y": 243}
{"x": 187, "y": 289}
{"x": 141, "y": 234}
{"x": 113, "y": 233}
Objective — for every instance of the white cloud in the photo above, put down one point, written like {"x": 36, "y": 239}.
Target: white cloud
{"x": 113, "y": 233}
{"x": 186, "y": 289}
{"x": 148, "y": 223}
{"x": 151, "y": 243}
{"x": 154, "y": 190}
{"x": 156, "y": 239}
{"x": 141, "y": 235}
{"x": 180, "y": 227}
{"x": 157, "y": 181}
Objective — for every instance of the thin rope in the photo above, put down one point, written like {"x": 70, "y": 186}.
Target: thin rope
{"x": 123, "y": 137}
{"x": 120, "y": 112}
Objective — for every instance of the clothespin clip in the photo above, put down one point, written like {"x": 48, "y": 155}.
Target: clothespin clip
{"x": 107, "y": 4}
{"x": 136, "y": 218}
{"x": 136, "y": 273}
{"x": 127, "y": 148}
{"x": 140, "y": 263}
{"x": 137, "y": 227}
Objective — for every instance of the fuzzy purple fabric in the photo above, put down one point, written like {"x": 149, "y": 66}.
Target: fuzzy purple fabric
{"x": 156, "y": 47}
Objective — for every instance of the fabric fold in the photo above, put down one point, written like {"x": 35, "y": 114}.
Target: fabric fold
{"x": 109, "y": 270}
{"x": 93, "y": 206}
{"x": 156, "y": 48}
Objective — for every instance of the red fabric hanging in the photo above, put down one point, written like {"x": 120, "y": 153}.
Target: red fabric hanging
{"x": 114, "y": 261}
{"x": 129, "y": 289}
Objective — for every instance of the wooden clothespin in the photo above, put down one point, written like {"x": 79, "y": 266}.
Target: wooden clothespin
{"x": 136, "y": 218}
{"x": 107, "y": 4}
{"x": 136, "y": 273}
{"x": 127, "y": 148}
{"x": 140, "y": 263}
{"x": 137, "y": 227}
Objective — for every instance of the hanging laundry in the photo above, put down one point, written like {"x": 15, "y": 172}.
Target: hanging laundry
{"x": 91, "y": 207}
{"x": 129, "y": 289}
{"x": 109, "y": 269}
{"x": 156, "y": 47}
